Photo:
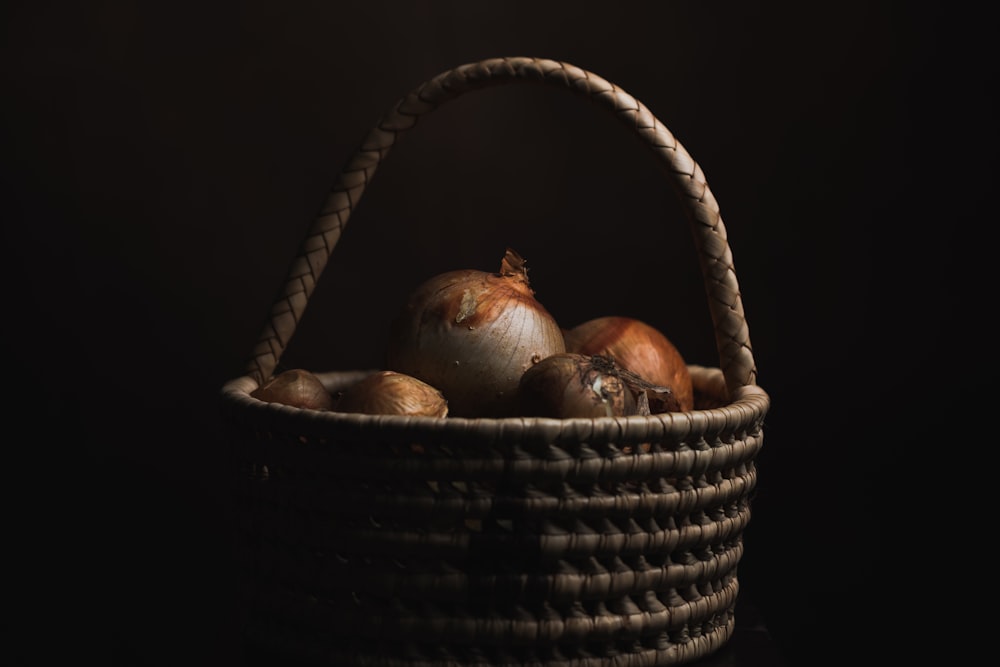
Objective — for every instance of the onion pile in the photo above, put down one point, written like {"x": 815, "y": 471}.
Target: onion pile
{"x": 472, "y": 334}
{"x": 471, "y": 343}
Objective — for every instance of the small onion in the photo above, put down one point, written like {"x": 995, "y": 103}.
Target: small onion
{"x": 391, "y": 393}
{"x": 296, "y": 387}
{"x": 569, "y": 385}
{"x": 472, "y": 334}
{"x": 640, "y": 348}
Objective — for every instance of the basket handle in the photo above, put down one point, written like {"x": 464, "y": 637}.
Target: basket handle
{"x": 715, "y": 257}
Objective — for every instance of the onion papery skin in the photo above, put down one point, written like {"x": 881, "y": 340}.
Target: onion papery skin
{"x": 639, "y": 347}
{"x": 568, "y": 385}
{"x": 392, "y": 393}
{"x": 472, "y": 334}
{"x": 296, "y": 387}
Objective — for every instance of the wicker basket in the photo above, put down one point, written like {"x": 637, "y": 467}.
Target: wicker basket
{"x": 396, "y": 541}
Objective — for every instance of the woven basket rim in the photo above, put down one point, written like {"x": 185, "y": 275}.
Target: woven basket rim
{"x": 744, "y": 411}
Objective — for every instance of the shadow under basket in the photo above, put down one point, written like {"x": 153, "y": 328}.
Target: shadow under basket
{"x": 426, "y": 542}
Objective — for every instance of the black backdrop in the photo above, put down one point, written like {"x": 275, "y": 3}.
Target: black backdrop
{"x": 163, "y": 160}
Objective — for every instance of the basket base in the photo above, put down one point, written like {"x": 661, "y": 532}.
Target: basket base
{"x": 267, "y": 645}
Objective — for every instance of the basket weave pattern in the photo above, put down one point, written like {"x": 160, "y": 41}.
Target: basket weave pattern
{"x": 406, "y": 542}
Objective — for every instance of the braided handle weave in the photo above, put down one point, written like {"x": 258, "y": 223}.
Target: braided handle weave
{"x": 715, "y": 257}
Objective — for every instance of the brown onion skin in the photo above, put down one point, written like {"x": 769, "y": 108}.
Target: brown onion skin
{"x": 472, "y": 334}
{"x": 639, "y": 347}
{"x": 569, "y": 385}
{"x": 392, "y": 393}
{"x": 296, "y": 387}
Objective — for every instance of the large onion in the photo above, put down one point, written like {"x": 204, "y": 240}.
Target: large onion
{"x": 640, "y": 348}
{"x": 472, "y": 334}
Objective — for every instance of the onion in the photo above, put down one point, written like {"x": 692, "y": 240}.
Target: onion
{"x": 391, "y": 393}
{"x": 574, "y": 385}
{"x": 296, "y": 387}
{"x": 472, "y": 334}
{"x": 638, "y": 347}
{"x": 570, "y": 385}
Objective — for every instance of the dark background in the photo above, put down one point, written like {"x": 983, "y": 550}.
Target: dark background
{"x": 163, "y": 160}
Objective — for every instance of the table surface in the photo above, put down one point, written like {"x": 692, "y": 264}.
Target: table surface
{"x": 751, "y": 644}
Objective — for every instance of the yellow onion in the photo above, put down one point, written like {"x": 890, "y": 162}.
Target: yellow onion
{"x": 472, "y": 334}
{"x": 296, "y": 387}
{"x": 391, "y": 393}
{"x": 569, "y": 384}
{"x": 638, "y": 347}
